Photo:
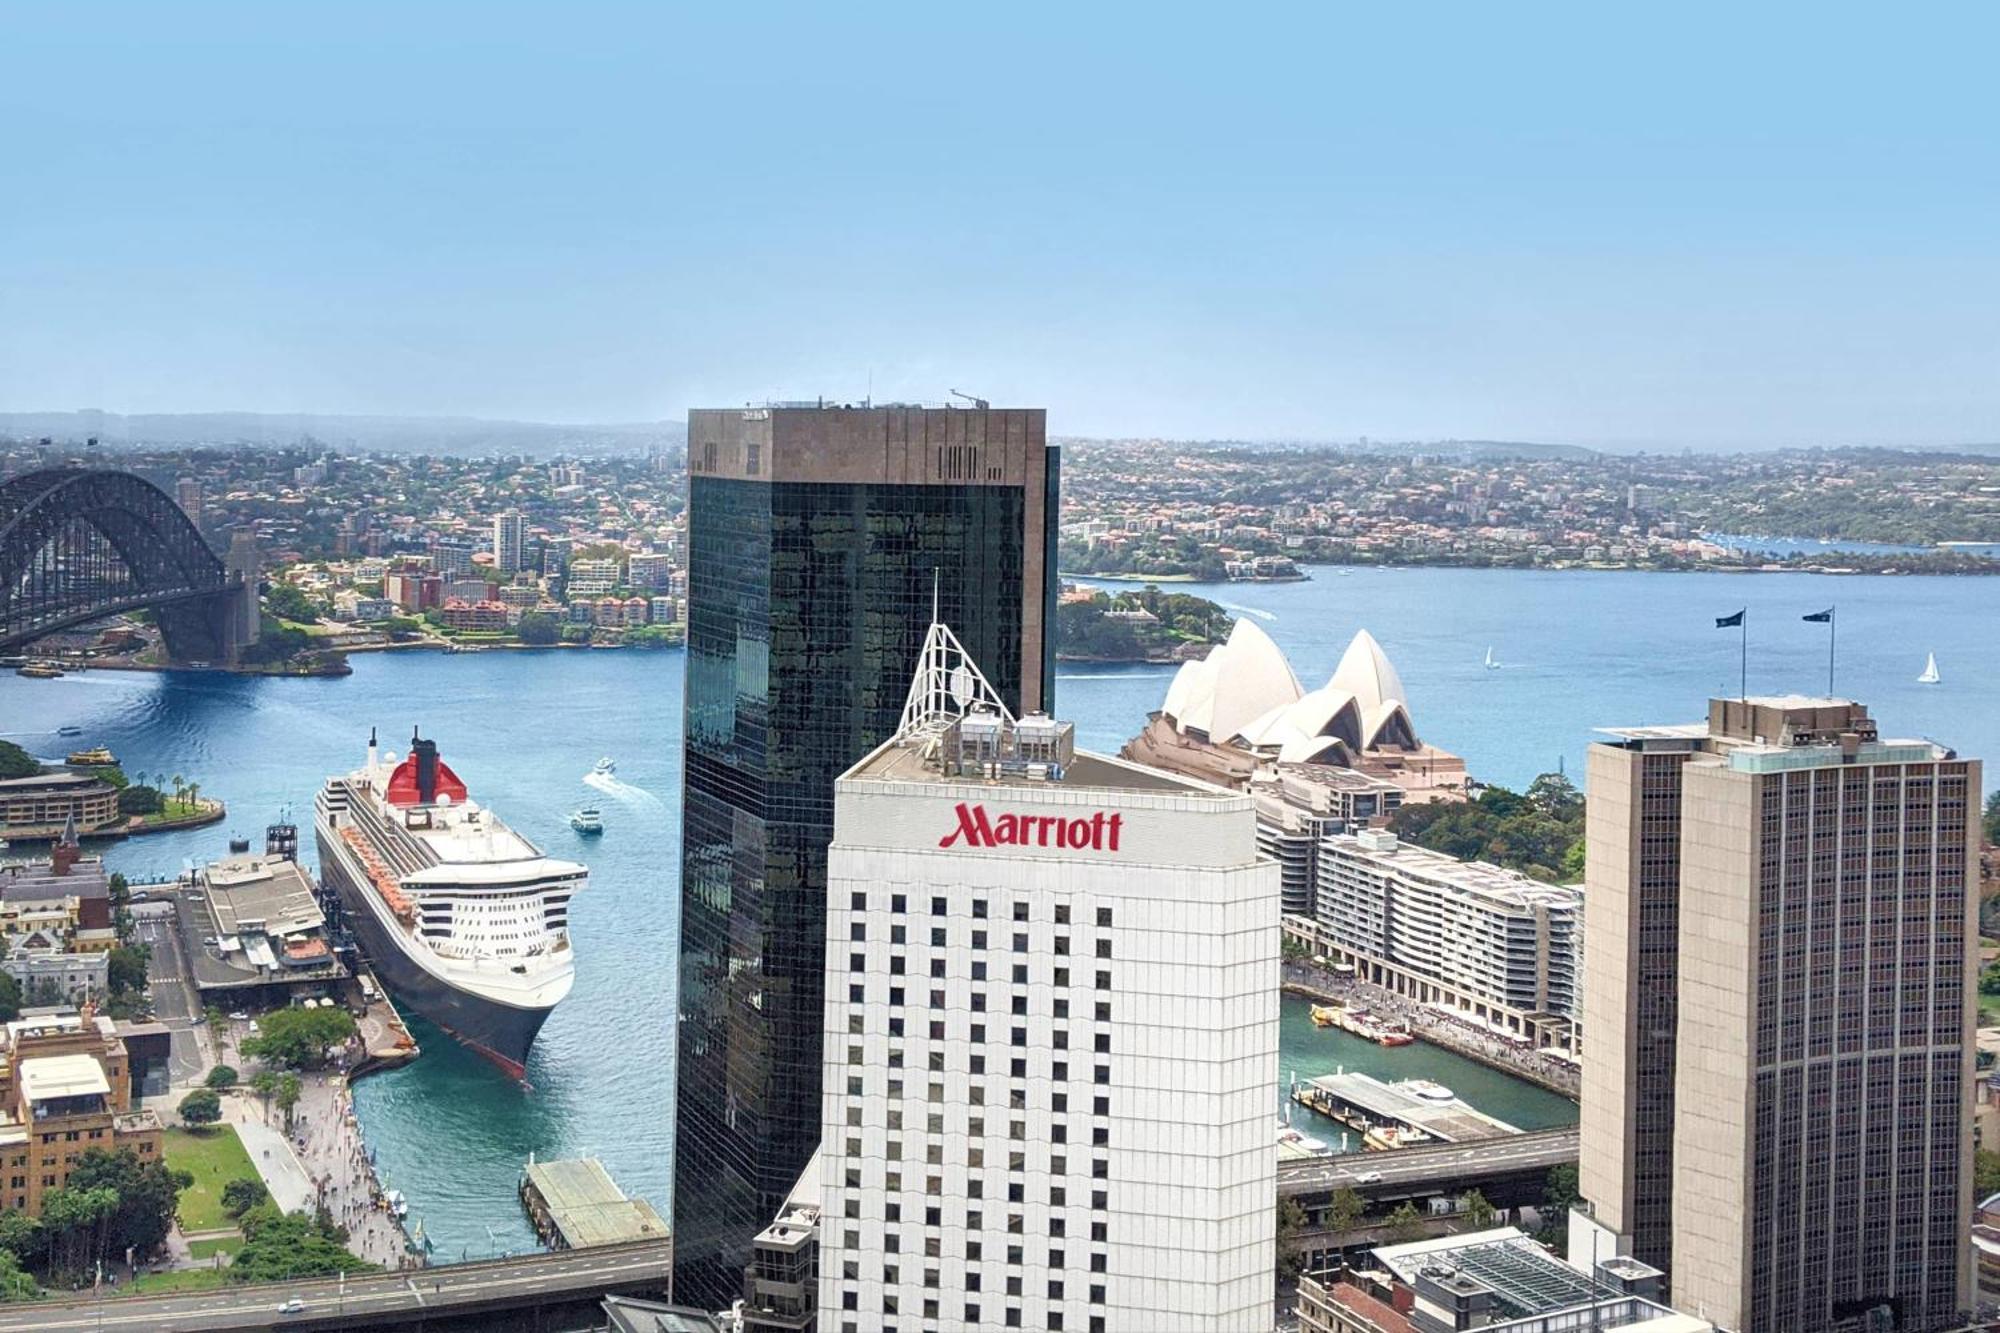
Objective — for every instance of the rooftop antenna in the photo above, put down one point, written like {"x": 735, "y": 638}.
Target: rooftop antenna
{"x": 979, "y": 403}
{"x": 937, "y": 574}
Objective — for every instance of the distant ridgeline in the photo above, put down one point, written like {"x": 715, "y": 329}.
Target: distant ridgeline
{"x": 1144, "y": 625}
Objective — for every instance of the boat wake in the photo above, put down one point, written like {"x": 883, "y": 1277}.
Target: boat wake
{"x": 1248, "y": 610}
{"x": 621, "y": 791}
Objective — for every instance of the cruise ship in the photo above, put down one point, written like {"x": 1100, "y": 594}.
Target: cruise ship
{"x": 463, "y": 919}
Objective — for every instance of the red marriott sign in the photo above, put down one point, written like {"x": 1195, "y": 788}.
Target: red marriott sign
{"x": 1097, "y": 832}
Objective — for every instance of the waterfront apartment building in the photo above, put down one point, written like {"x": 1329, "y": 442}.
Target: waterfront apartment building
{"x": 593, "y": 577}
{"x": 1815, "y": 1167}
{"x": 1492, "y": 944}
{"x": 819, "y": 541}
{"x": 510, "y": 539}
{"x": 1300, "y": 805}
{"x": 650, "y": 569}
{"x": 1051, "y": 1042}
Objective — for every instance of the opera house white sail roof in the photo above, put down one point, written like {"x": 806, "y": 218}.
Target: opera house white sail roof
{"x": 1244, "y": 693}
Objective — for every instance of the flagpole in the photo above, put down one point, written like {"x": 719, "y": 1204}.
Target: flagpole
{"x": 1832, "y": 619}
{"x": 1743, "y": 675}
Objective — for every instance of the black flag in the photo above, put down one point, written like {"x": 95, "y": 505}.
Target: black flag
{"x": 1820, "y": 617}
{"x": 1725, "y": 622}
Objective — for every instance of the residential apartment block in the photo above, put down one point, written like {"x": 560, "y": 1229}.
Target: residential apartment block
{"x": 1496, "y": 946}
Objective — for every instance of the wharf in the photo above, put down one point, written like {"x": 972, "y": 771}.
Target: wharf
{"x": 575, "y": 1203}
{"x": 1416, "y": 1111}
{"x": 385, "y": 1041}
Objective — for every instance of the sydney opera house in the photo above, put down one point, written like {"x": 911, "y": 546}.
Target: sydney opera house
{"x": 1241, "y": 712}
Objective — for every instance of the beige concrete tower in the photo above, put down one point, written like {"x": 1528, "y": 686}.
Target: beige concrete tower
{"x": 1822, "y": 1056}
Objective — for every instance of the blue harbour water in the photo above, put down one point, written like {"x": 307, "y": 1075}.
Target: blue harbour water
{"x": 1577, "y": 649}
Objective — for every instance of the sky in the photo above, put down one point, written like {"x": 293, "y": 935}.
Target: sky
{"x": 1641, "y": 226}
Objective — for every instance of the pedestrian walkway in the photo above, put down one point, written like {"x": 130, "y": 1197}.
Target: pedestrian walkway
{"x": 271, "y": 1153}
{"x": 328, "y": 1141}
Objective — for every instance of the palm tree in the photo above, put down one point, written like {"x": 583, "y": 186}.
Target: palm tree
{"x": 194, "y": 794}
{"x": 179, "y": 787}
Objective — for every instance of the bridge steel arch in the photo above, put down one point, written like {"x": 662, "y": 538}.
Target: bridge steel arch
{"x": 79, "y": 544}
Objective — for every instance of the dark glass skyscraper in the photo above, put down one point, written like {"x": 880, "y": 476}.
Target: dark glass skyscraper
{"x": 817, "y": 540}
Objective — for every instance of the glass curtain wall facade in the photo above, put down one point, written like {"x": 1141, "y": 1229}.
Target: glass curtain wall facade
{"x": 808, "y": 604}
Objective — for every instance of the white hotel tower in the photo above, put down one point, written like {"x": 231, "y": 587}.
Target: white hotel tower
{"x": 1051, "y": 1034}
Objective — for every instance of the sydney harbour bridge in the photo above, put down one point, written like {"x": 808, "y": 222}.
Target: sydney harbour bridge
{"x": 79, "y": 544}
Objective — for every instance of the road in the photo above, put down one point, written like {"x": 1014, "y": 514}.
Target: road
{"x": 382, "y": 1296}
{"x": 171, "y": 981}
{"x": 1537, "y": 1151}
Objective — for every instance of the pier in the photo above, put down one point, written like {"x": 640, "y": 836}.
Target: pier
{"x": 1390, "y": 1115}
{"x": 575, "y": 1204}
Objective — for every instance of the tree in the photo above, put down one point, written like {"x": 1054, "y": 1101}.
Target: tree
{"x": 77, "y": 1221}
{"x": 287, "y": 1096}
{"x": 1557, "y": 1195}
{"x": 1346, "y": 1208}
{"x": 278, "y": 1247}
{"x": 194, "y": 793}
{"x": 289, "y": 602}
{"x": 10, "y": 998}
{"x": 201, "y": 1107}
{"x": 1291, "y": 1221}
{"x": 1556, "y": 796}
{"x": 16, "y": 1285}
{"x": 180, "y": 785}
{"x": 22, "y": 1236}
{"x": 147, "y": 1193}
{"x": 1406, "y": 1223}
{"x": 16, "y": 762}
{"x": 265, "y": 1084}
{"x": 140, "y": 801}
{"x": 299, "y": 1038}
{"x": 125, "y": 968}
{"x": 1985, "y": 1172}
{"x": 222, "y": 1076}
{"x": 538, "y": 628}
{"x": 240, "y": 1196}
{"x": 1478, "y": 1210}
{"x": 46, "y": 993}
{"x": 1990, "y": 825}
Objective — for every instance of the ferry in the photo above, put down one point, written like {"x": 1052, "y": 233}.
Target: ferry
{"x": 1360, "y": 1023}
{"x": 92, "y": 757}
{"x": 1325, "y": 1015}
{"x": 462, "y": 918}
{"x": 586, "y": 820}
{"x": 39, "y": 671}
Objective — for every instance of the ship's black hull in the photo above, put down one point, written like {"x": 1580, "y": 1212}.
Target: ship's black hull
{"x": 501, "y": 1032}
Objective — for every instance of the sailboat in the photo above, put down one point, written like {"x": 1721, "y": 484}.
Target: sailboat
{"x": 1491, "y": 665}
{"x": 1930, "y": 676}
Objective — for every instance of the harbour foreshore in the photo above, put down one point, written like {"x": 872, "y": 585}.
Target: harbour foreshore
{"x": 1426, "y": 1024}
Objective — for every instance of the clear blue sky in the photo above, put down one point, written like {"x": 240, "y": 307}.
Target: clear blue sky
{"x": 1591, "y": 223}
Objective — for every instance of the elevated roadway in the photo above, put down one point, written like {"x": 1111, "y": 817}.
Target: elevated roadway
{"x": 1501, "y": 1166}
{"x": 539, "y": 1293}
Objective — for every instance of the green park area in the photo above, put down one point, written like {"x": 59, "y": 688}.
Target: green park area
{"x": 214, "y": 1157}
{"x": 176, "y": 1280}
